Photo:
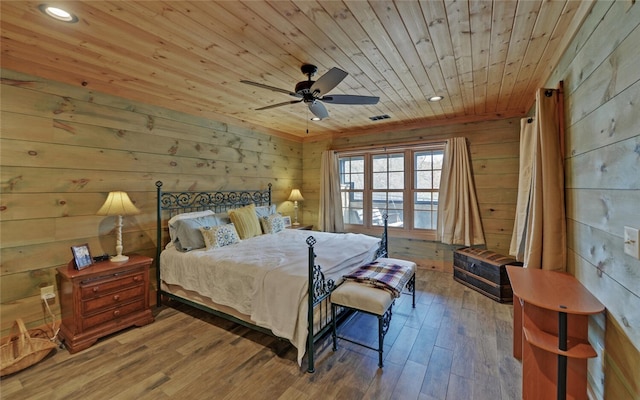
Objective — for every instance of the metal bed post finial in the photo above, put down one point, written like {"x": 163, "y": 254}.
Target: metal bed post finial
{"x": 311, "y": 241}
{"x": 158, "y": 241}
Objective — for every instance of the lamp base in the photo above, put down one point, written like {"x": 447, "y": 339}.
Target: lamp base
{"x": 119, "y": 258}
{"x": 295, "y": 223}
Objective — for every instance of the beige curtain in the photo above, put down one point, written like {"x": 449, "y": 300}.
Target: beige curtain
{"x": 458, "y": 213}
{"x": 330, "y": 213}
{"x": 539, "y": 231}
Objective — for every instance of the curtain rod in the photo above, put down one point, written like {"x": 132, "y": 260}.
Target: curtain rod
{"x": 390, "y": 147}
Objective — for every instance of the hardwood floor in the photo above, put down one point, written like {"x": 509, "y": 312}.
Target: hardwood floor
{"x": 456, "y": 344}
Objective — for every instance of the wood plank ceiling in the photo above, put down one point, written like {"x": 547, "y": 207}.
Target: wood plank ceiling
{"x": 485, "y": 57}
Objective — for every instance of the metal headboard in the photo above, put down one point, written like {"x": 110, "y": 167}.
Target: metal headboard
{"x": 218, "y": 201}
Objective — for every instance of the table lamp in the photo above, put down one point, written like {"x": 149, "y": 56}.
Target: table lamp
{"x": 118, "y": 203}
{"x": 295, "y": 196}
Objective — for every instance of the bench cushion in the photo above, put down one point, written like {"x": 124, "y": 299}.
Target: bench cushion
{"x": 362, "y": 297}
{"x": 397, "y": 261}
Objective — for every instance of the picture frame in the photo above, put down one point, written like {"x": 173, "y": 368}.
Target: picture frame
{"x": 82, "y": 256}
{"x": 287, "y": 221}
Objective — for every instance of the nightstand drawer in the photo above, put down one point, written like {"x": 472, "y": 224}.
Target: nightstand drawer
{"x": 112, "y": 314}
{"x": 102, "y": 286}
{"x": 112, "y": 299}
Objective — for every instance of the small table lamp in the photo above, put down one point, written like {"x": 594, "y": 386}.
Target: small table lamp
{"x": 295, "y": 196}
{"x": 118, "y": 203}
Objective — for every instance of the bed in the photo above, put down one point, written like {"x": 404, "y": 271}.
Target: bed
{"x": 277, "y": 282}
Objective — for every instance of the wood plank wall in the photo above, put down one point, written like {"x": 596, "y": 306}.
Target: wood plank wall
{"x": 602, "y": 91}
{"x": 64, "y": 148}
{"x": 494, "y": 148}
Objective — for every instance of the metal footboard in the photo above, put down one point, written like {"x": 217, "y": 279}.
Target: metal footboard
{"x": 319, "y": 291}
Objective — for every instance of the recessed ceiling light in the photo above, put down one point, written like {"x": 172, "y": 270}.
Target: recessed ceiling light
{"x": 316, "y": 119}
{"x": 58, "y": 13}
{"x": 436, "y": 98}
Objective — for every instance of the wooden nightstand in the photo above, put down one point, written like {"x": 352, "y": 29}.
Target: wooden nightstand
{"x": 301, "y": 227}
{"x": 102, "y": 299}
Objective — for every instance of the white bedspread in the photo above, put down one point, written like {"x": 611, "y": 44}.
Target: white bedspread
{"x": 266, "y": 277}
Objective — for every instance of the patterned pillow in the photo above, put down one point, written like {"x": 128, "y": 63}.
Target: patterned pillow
{"x": 273, "y": 223}
{"x": 219, "y": 236}
{"x": 246, "y": 221}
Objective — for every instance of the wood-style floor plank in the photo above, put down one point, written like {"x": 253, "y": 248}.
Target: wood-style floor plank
{"x": 456, "y": 344}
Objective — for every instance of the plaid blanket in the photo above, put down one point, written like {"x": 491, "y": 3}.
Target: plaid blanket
{"x": 382, "y": 275}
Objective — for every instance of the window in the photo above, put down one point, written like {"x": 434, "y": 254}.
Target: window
{"x": 401, "y": 182}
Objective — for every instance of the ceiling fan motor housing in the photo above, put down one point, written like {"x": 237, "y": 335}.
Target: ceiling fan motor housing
{"x": 303, "y": 87}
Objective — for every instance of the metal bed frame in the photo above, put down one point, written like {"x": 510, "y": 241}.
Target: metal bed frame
{"x": 173, "y": 203}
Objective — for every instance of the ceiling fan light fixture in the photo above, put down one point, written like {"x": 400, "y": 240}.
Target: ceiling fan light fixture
{"x": 436, "y": 98}
{"x": 58, "y": 13}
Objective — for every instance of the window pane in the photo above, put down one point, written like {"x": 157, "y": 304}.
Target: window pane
{"x": 352, "y": 172}
{"x": 396, "y": 180}
{"x": 379, "y": 163}
{"x": 380, "y": 180}
{"x": 424, "y": 180}
{"x": 352, "y": 215}
{"x": 425, "y": 207}
{"x": 390, "y": 202}
{"x": 388, "y": 171}
{"x": 438, "y": 156}
{"x": 396, "y": 162}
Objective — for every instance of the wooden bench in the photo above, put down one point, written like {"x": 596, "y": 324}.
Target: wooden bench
{"x": 362, "y": 297}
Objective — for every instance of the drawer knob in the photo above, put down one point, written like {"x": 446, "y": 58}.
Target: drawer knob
{"x": 137, "y": 279}
{"x": 95, "y": 289}
{"x": 116, "y": 313}
{"x": 116, "y": 297}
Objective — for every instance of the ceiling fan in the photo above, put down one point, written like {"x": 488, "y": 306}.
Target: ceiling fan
{"x": 314, "y": 92}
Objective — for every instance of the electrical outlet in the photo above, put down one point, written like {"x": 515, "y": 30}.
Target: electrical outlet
{"x": 46, "y": 292}
{"x": 631, "y": 243}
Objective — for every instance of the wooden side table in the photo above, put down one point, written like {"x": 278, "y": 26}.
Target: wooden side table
{"x": 102, "y": 299}
{"x": 301, "y": 227}
{"x": 550, "y": 328}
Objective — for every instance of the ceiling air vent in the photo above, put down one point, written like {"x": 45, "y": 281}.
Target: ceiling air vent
{"x": 379, "y": 117}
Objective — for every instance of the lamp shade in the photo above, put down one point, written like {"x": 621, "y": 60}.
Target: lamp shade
{"x": 295, "y": 195}
{"x": 118, "y": 203}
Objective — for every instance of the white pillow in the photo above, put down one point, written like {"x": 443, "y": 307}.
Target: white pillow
{"x": 265, "y": 211}
{"x": 190, "y": 215}
{"x": 187, "y": 233}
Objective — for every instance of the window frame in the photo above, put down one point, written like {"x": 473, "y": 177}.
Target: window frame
{"x": 409, "y": 191}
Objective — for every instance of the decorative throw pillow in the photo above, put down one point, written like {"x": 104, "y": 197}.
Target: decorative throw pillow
{"x": 219, "y": 236}
{"x": 246, "y": 221}
{"x": 274, "y": 223}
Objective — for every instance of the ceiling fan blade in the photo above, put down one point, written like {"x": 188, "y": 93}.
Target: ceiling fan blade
{"x": 318, "y": 109}
{"x": 275, "y": 89}
{"x": 279, "y": 104}
{"x": 350, "y": 99}
{"x": 328, "y": 81}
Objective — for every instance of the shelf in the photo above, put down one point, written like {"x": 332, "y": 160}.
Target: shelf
{"x": 577, "y": 348}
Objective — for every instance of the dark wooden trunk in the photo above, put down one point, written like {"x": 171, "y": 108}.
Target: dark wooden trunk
{"x": 484, "y": 271}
